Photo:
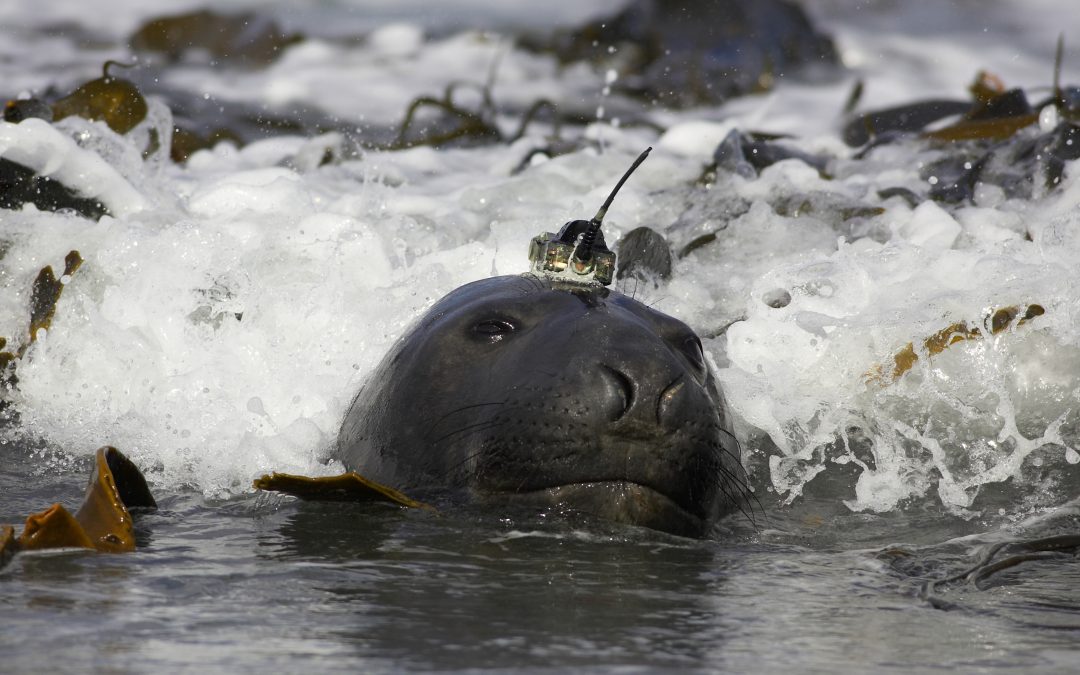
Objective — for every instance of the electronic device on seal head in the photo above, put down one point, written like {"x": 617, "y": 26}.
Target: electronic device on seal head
{"x": 578, "y": 254}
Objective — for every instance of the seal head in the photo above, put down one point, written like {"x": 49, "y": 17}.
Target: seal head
{"x": 521, "y": 389}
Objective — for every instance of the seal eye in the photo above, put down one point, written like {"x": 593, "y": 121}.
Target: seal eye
{"x": 493, "y": 329}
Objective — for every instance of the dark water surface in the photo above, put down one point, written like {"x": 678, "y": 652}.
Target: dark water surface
{"x": 264, "y": 583}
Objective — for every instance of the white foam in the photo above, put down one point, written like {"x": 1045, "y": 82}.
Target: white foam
{"x": 39, "y": 146}
{"x": 222, "y": 333}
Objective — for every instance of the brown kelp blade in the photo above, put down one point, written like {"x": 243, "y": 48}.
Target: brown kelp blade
{"x": 43, "y": 298}
{"x": 114, "y": 101}
{"x": 54, "y": 527}
{"x": 998, "y": 128}
{"x": 994, "y": 323}
{"x": 46, "y": 293}
{"x": 8, "y": 544}
{"x": 103, "y": 522}
{"x": 348, "y": 487}
{"x": 115, "y": 486}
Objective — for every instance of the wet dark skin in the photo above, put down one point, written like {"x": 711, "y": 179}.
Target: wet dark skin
{"x": 523, "y": 390}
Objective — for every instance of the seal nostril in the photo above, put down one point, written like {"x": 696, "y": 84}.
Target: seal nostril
{"x": 623, "y": 390}
{"x": 666, "y": 399}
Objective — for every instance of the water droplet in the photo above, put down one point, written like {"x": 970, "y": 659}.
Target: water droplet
{"x": 1072, "y": 456}
{"x": 1048, "y": 118}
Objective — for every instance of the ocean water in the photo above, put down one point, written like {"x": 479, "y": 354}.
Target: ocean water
{"x": 227, "y": 313}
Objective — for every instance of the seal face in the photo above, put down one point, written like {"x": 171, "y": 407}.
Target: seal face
{"x": 525, "y": 390}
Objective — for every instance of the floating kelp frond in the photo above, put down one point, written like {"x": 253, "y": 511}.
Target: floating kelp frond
{"x": 46, "y": 293}
{"x": 109, "y": 99}
{"x": 1062, "y": 546}
{"x": 460, "y": 124}
{"x": 464, "y": 124}
{"x": 245, "y": 39}
{"x": 994, "y": 323}
{"x": 102, "y": 523}
{"x": 348, "y": 487}
{"x": 43, "y": 298}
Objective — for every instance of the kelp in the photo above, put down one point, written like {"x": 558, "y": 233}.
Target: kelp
{"x": 44, "y": 296}
{"x": 867, "y": 127}
{"x": 1000, "y": 138}
{"x": 461, "y": 125}
{"x": 1000, "y": 557}
{"x": 46, "y": 293}
{"x": 993, "y": 112}
{"x": 115, "y": 101}
{"x": 243, "y": 39}
{"x": 747, "y": 154}
{"x": 994, "y": 323}
{"x": 347, "y": 487}
{"x": 186, "y": 142}
{"x": 103, "y": 522}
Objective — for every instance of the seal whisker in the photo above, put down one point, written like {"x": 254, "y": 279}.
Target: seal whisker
{"x": 471, "y": 428}
{"x": 470, "y": 457}
{"x": 469, "y": 401}
{"x": 463, "y": 408}
{"x": 743, "y": 495}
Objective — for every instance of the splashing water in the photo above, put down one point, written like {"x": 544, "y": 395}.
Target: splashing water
{"x": 226, "y": 316}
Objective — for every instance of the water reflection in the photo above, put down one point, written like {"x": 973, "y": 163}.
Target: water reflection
{"x": 464, "y": 590}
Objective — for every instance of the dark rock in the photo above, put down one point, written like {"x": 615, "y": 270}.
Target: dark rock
{"x": 645, "y": 254}
{"x": 905, "y": 118}
{"x": 702, "y": 51}
{"x": 745, "y": 155}
{"x": 17, "y": 110}
{"x": 20, "y": 185}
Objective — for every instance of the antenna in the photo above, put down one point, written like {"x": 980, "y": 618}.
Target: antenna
{"x": 583, "y": 252}
{"x": 578, "y": 250}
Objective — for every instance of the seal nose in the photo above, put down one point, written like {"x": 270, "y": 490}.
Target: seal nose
{"x": 667, "y": 405}
{"x": 643, "y": 397}
{"x": 620, "y": 392}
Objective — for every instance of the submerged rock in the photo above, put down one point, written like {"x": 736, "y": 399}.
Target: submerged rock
{"x": 644, "y": 254}
{"x": 747, "y": 154}
{"x": 17, "y": 110}
{"x": 40, "y": 165}
{"x": 702, "y": 51}
{"x": 20, "y": 185}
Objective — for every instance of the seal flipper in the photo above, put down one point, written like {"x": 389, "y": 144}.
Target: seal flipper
{"x": 348, "y": 487}
{"x": 103, "y": 522}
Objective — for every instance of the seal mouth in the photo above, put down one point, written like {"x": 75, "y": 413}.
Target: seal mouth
{"x": 620, "y": 501}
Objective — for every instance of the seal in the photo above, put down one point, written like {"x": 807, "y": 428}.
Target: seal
{"x": 528, "y": 390}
